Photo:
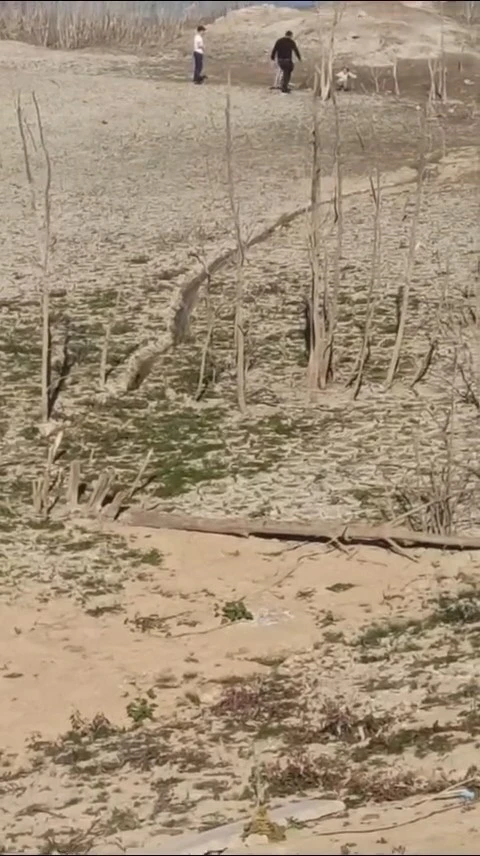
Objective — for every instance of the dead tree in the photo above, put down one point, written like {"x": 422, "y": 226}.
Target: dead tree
{"x": 41, "y": 206}
{"x": 239, "y": 323}
{"x": 321, "y": 306}
{"x": 373, "y": 288}
{"x": 321, "y": 302}
{"x": 403, "y": 295}
{"x": 324, "y": 77}
{"x": 396, "y": 87}
{"x": 315, "y": 309}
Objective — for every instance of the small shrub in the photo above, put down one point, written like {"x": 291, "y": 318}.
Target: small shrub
{"x": 464, "y": 608}
{"x": 233, "y": 610}
{"x": 300, "y": 773}
{"x": 141, "y": 709}
{"x": 260, "y": 702}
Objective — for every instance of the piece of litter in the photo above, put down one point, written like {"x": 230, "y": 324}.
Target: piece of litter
{"x": 466, "y": 794}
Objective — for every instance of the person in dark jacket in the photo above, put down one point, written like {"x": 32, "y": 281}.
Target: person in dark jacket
{"x": 282, "y": 53}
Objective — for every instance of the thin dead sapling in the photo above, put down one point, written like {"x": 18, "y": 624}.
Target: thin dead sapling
{"x": 315, "y": 317}
{"x": 210, "y": 327}
{"x": 41, "y": 208}
{"x": 107, "y": 333}
{"x": 240, "y": 258}
{"x": 373, "y": 287}
{"x": 403, "y": 296}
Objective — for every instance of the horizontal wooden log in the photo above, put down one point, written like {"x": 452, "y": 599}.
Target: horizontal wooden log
{"x": 296, "y": 531}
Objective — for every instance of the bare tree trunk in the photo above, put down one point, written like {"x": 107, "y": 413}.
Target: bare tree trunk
{"x": 375, "y": 72}
{"x": 210, "y": 327}
{"x": 432, "y": 70}
{"x": 106, "y": 339}
{"x": 443, "y": 63}
{"x": 396, "y": 87}
{"x": 476, "y": 337}
{"x": 469, "y": 7}
{"x": 239, "y": 331}
{"x": 373, "y": 285}
{"x": 46, "y": 352}
{"x": 41, "y": 212}
{"x": 316, "y": 330}
{"x": 324, "y": 82}
{"x": 322, "y": 303}
{"x": 333, "y": 308}
{"x": 323, "y": 86}
{"x": 405, "y": 296}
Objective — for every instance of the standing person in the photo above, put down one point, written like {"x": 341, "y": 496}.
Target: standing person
{"x": 283, "y": 50}
{"x": 198, "y": 55}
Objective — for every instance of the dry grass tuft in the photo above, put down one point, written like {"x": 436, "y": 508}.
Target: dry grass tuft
{"x": 70, "y": 26}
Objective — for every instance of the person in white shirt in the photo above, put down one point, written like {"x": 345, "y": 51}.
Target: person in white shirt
{"x": 198, "y": 55}
{"x": 344, "y": 77}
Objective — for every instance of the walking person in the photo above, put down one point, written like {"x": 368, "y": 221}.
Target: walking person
{"x": 198, "y": 55}
{"x": 282, "y": 53}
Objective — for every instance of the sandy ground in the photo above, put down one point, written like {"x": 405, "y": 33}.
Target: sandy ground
{"x": 310, "y": 679}
{"x": 150, "y": 680}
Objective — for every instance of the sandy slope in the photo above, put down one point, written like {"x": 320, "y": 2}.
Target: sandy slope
{"x": 189, "y": 768}
{"x": 373, "y": 33}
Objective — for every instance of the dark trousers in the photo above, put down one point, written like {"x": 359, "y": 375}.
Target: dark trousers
{"x": 197, "y": 67}
{"x": 286, "y": 66}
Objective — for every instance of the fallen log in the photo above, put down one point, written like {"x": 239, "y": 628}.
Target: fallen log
{"x": 322, "y": 531}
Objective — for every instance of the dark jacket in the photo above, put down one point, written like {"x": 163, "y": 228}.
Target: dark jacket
{"x": 284, "y": 48}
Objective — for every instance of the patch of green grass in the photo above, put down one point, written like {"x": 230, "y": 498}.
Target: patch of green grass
{"x": 340, "y": 587}
{"x": 80, "y": 545}
{"x": 140, "y": 710}
{"x": 422, "y": 741}
{"x": 374, "y": 635}
{"x": 7, "y": 518}
{"x": 49, "y": 524}
{"x": 449, "y": 609}
{"x": 271, "y": 661}
{"x": 99, "y": 611}
{"x": 147, "y": 623}
{"x": 186, "y": 445}
{"x": 334, "y": 636}
{"x": 152, "y": 557}
{"x": 140, "y": 557}
{"x": 233, "y": 610}
{"x": 121, "y": 820}
{"x": 461, "y": 608}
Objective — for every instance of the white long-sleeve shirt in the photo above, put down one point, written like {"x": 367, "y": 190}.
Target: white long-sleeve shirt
{"x": 198, "y": 45}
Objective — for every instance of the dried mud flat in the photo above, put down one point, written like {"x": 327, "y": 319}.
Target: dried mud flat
{"x": 149, "y": 681}
{"x": 138, "y": 187}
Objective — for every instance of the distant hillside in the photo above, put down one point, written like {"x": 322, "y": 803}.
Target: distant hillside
{"x": 148, "y": 8}
{"x": 369, "y": 33}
